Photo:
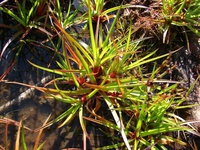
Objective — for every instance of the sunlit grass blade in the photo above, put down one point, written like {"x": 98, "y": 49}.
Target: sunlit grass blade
{"x": 31, "y": 11}
{"x": 46, "y": 69}
{"x": 52, "y": 90}
{"x": 21, "y": 10}
{"x": 23, "y": 139}
{"x": 41, "y": 145}
{"x": 122, "y": 7}
{"x": 140, "y": 120}
{"x": 103, "y": 121}
{"x": 163, "y": 130}
{"x": 17, "y": 141}
{"x": 36, "y": 146}
{"x": 62, "y": 98}
{"x": 9, "y": 12}
{"x": 197, "y": 32}
{"x": 144, "y": 60}
{"x": 79, "y": 49}
{"x": 42, "y": 29}
{"x": 59, "y": 10}
{"x": 118, "y": 122}
{"x": 105, "y": 43}
{"x": 68, "y": 114}
{"x": 92, "y": 37}
{"x": 82, "y": 123}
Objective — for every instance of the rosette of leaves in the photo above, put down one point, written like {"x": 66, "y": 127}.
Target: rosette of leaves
{"x": 22, "y": 22}
{"x": 184, "y": 13}
{"x": 111, "y": 71}
{"x": 28, "y": 28}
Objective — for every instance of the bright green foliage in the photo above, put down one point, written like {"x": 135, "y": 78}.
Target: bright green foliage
{"x": 108, "y": 69}
{"x": 183, "y": 13}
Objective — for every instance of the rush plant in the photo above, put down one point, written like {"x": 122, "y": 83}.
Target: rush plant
{"x": 27, "y": 21}
{"x": 31, "y": 28}
{"x": 111, "y": 70}
{"x": 184, "y": 13}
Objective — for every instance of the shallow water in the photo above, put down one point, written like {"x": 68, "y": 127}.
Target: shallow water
{"x": 36, "y": 108}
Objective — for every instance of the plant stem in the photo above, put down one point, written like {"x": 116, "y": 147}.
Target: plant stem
{"x": 24, "y": 95}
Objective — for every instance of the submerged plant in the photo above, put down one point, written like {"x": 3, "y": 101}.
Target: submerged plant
{"x": 27, "y": 21}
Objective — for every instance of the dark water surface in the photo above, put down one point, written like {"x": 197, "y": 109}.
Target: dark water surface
{"x": 35, "y": 109}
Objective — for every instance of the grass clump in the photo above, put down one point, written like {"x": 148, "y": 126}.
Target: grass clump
{"x": 109, "y": 71}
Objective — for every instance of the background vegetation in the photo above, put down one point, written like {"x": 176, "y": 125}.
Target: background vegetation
{"x": 112, "y": 64}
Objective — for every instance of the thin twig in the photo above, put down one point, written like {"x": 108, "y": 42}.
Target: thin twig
{"x": 24, "y": 95}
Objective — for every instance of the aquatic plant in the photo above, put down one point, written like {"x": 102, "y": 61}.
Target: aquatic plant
{"x": 104, "y": 66}
{"x": 27, "y": 22}
{"x": 110, "y": 70}
{"x": 184, "y": 14}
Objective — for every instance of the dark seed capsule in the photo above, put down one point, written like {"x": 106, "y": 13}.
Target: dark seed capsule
{"x": 83, "y": 99}
{"x": 81, "y": 80}
{"x": 113, "y": 74}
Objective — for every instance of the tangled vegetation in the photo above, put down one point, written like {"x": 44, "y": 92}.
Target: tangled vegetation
{"x": 111, "y": 63}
